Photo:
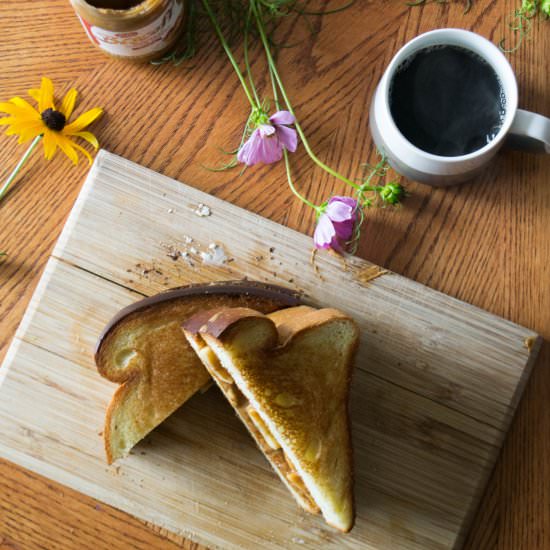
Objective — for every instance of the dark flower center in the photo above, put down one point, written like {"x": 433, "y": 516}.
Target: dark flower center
{"x": 54, "y": 120}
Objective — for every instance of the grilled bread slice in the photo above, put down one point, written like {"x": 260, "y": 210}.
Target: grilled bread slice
{"x": 143, "y": 349}
{"x": 288, "y": 375}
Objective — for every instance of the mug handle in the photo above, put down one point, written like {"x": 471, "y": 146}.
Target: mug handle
{"x": 529, "y": 132}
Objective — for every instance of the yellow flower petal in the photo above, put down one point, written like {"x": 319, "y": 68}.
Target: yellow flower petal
{"x": 9, "y": 108}
{"x": 89, "y": 137}
{"x": 30, "y": 132}
{"x": 67, "y": 106}
{"x": 23, "y": 125}
{"x": 66, "y": 146}
{"x": 24, "y": 119}
{"x": 46, "y": 95}
{"x": 50, "y": 144}
{"x": 83, "y": 151}
{"x": 35, "y": 94}
{"x": 82, "y": 121}
{"x": 19, "y": 107}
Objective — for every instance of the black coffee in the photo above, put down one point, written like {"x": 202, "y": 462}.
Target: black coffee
{"x": 447, "y": 101}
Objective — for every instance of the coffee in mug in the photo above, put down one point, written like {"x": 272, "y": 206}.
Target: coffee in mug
{"x": 446, "y": 104}
{"x": 447, "y": 100}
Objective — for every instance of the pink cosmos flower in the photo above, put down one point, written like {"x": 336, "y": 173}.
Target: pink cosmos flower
{"x": 268, "y": 140}
{"x": 336, "y": 223}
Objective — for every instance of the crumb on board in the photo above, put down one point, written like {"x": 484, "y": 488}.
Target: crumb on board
{"x": 313, "y": 263}
{"x": 202, "y": 210}
{"x": 368, "y": 274}
{"x": 529, "y": 342}
{"x": 214, "y": 256}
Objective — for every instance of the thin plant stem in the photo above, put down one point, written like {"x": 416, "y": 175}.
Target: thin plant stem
{"x": 246, "y": 59}
{"x": 20, "y": 164}
{"x": 271, "y": 63}
{"x": 285, "y": 152}
{"x": 229, "y": 54}
{"x": 293, "y": 188}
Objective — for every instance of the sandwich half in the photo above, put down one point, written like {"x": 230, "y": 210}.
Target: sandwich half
{"x": 143, "y": 349}
{"x": 288, "y": 375}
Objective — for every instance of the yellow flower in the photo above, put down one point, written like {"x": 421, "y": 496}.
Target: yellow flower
{"x": 50, "y": 123}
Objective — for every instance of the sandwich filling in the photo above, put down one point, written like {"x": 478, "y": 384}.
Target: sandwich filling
{"x": 257, "y": 427}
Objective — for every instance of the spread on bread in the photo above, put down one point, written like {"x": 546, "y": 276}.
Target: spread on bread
{"x": 256, "y": 426}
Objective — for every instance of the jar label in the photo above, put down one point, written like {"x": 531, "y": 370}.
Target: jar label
{"x": 149, "y": 39}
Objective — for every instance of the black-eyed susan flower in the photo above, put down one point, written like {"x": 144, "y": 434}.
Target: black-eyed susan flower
{"x": 49, "y": 124}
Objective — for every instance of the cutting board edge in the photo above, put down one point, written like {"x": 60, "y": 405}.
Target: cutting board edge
{"x": 104, "y": 158}
{"x": 50, "y": 471}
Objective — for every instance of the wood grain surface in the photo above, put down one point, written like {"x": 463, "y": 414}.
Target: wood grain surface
{"x": 486, "y": 242}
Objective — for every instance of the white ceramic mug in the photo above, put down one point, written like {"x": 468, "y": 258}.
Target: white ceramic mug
{"x": 520, "y": 129}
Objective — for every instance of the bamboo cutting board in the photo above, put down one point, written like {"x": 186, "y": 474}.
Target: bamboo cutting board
{"x": 435, "y": 386}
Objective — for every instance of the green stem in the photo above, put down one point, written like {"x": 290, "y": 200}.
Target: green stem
{"x": 20, "y": 164}
{"x": 285, "y": 152}
{"x": 273, "y": 67}
{"x": 293, "y": 189}
{"x": 246, "y": 60}
{"x": 229, "y": 53}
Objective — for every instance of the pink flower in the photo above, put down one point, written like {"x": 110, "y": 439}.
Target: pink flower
{"x": 336, "y": 223}
{"x": 268, "y": 140}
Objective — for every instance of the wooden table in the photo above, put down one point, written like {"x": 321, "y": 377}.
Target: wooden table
{"x": 487, "y": 242}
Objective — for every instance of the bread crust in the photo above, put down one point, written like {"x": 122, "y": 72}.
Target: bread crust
{"x": 285, "y": 296}
{"x": 165, "y": 387}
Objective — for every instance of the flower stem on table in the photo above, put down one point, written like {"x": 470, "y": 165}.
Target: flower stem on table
{"x": 273, "y": 67}
{"x": 229, "y": 53}
{"x": 20, "y": 164}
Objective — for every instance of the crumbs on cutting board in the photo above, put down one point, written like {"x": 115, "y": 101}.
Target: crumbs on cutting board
{"x": 215, "y": 255}
{"x": 267, "y": 259}
{"x": 202, "y": 210}
{"x": 184, "y": 253}
{"x": 194, "y": 253}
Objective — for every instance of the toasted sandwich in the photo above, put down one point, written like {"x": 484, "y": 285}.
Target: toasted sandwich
{"x": 287, "y": 374}
{"x": 143, "y": 349}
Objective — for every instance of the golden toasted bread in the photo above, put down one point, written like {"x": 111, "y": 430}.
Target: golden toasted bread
{"x": 288, "y": 374}
{"x": 144, "y": 350}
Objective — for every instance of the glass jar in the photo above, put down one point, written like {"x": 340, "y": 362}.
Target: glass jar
{"x": 137, "y": 30}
